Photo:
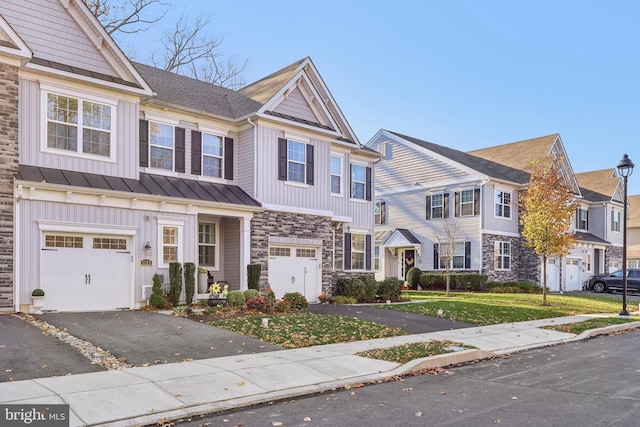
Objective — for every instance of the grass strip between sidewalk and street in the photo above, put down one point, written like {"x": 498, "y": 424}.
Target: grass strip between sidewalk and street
{"x": 407, "y": 352}
{"x": 599, "y": 322}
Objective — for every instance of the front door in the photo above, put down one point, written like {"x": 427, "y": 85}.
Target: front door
{"x": 407, "y": 260}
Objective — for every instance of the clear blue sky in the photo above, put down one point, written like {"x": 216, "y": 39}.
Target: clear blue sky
{"x": 466, "y": 74}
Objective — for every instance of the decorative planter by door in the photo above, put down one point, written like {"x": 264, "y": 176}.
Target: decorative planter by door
{"x": 203, "y": 283}
{"x": 37, "y": 303}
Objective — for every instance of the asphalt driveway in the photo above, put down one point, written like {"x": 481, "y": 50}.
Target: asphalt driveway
{"x": 141, "y": 338}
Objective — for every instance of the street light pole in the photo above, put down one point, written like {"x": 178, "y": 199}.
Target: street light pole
{"x": 625, "y": 169}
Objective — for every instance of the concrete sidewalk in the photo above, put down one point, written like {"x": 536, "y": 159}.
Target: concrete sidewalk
{"x": 144, "y": 395}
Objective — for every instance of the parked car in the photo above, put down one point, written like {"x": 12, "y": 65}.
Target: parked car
{"x": 613, "y": 281}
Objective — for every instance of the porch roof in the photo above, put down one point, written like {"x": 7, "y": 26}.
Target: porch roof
{"x": 399, "y": 237}
{"x": 149, "y": 184}
{"x": 588, "y": 237}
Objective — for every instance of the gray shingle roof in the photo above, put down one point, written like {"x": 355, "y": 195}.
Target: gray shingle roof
{"x": 157, "y": 185}
{"x": 484, "y": 166}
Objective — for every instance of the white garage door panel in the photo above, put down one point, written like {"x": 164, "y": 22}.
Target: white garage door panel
{"x": 288, "y": 274}
{"x": 77, "y": 279}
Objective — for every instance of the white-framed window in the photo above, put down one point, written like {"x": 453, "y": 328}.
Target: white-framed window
{"x": 633, "y": 263}
{"x": 503, "y": 204}
{"x": 376, "y": 258}
{"x": 169, "y": 241}
{"x": 161, "y": 145}
{"x": 437, "y": 205}
{"x": 380, "y": 212}
{"x": 208, "y": 238}
{"x": 212, "y": 155}
{"x": 336, "y": 175}
{"x": 79, "y": 125}
{"x": 582, "y": 219}
{"x": 296, "y": 161}
{"x": 457, "y": 255}
{"x": 466, "y": 202}
{"x": 615, "y": 220}
{"x": 588, "y": 262}
{"x": 358, "y": 181}
{"x": 502, "y": 255}
{"x": 358, "y": 251}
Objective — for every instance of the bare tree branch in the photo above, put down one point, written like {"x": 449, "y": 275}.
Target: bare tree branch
{"x": 126, "y": 16}
{"x": 447, "y": 236}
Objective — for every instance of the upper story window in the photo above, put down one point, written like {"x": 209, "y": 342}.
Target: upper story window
{"x": 582, "y": 219}
{"x": 79, "y": 125}
{"x": 380, "y": 212}
{"x": 212, "y": 155}
{"x": 615, "y": 220}
{"x": 295, "y": 161}
{"x": 358, "y": 182}
{"x": 437, "y": 206}
{"x": 503, "y": 204}
{"x": 336, "y": 175}
{"x": 161, "y": 145}
{"x": 466, "y": 202}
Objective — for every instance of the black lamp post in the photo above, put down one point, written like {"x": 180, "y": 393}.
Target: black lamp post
{"x": 625, "y": 169}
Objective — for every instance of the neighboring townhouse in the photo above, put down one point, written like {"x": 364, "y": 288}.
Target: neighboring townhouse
{"x": 428, "y": 195}
{"x": 113, "y": 169}
{"x": 633, "y": 232}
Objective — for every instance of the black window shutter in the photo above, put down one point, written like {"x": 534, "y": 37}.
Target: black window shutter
{"x": 577, "y": 219}
{"x": 369, "y": 179}
{"x": 309, "y": 164}
{"x": 196, "y": 152}
{"x": 144, "y": 143}
{"x": 612, "y": 220}
{"x": 347, "y": 251}
{"x": 587, "y": 216}
{"x": 383, "y": 212}
{"x": 180, "y": 149}
{"x": 367, "y": 252}
{"x": 228, "y": 158}
{"x": 428, "y": 215}
{"x": 457, "y": 201}
{"x": 467, "y": 255}
{"x": 436, "y": 256}
{"x": 446, "y": 206}
{"x": 282, "y": 159}
{"x": 350, "y": 180}
{"x": 476, "y": 201}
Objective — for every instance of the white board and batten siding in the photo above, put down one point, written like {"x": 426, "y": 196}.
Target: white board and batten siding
{"x": 32, "y": 140}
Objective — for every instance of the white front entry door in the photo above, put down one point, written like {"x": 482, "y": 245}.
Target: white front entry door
{"x": 86, "y": 272}
{"x": 295, "y": 269}
{"x": 553, "y": 274}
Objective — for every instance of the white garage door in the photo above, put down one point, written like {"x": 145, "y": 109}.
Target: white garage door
{"x": 295, "y": 269}
{"x": 86, "y": 272}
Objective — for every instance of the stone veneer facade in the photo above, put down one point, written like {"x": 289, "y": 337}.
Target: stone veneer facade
{"x": 299, "y": 229}
{"x": 525, "y": 264}
{"x": 9, "y": 161}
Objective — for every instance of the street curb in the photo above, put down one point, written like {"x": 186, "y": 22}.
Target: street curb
{"x": 606, "y": 330}
{"x": 443, "y": 360}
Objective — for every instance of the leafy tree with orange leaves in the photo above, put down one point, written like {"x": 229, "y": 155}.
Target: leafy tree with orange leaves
{"x": 547, "y": 211}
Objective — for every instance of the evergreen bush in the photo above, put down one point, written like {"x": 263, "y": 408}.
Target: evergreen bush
{"x": 250, "y": 293}
{"x": 189, "y": 281}
{"x": 236, "y": 299}
{"x": 253, "y": 276}
{"x": 355, "y": 289}
{"x": 370, "y": 291}
{"x": 390, "y": 289}
{"x": 156, "y": 299}
{"x": 413, "y": 277}
{"x": 175, "y": 282}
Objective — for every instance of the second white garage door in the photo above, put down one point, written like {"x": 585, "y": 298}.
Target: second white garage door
{"x": 295, "y": 269}
{"x": 86, "y": 272}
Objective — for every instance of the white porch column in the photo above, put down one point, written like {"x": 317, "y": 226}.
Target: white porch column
{"x": 245, "y": 250}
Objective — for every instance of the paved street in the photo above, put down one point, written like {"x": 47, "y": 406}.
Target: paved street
{"x": 584, "y": 383}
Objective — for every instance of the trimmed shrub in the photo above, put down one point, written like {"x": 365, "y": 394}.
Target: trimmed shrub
{"x": 341, "y": 299}
{"x": 253, "y": 276}
{"x": 514, "y": 287}
{"x": 390, "y": 289}
{"x": 37, "y": 293}
{"x": 413, "y": 277}
{"x": 261, "y": 304}
{"x": 355, "y": 289}
{"x": 189, "y": 281}
{"x": 250, "y": 293}
{"x": 156, "y": 299}
{"x": 282, "y": 306}
{"x": 459, "y": 281}
{"x": 341, "y": 286}
{"x": 175, "y": 282}
{"x": 236, "y": 299}
{"x": 296, "y": 301}
{"x": 370, "y": 289}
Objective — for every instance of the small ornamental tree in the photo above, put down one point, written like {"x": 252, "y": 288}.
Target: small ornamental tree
{"x": 547, "y": 210}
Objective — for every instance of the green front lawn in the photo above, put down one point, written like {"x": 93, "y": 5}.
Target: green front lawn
{"x": 488, "y": 308}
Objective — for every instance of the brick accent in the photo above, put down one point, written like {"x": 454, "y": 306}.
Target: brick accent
{"x": 9, "y": 161}
{"x": 525, "y": 264}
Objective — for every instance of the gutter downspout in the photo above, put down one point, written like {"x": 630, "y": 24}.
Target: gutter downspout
{"x": 16, "y": 251}
{"x": 255, "y": 157}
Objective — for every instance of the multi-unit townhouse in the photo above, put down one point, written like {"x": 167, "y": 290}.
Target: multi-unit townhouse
{"x": 633, "y": 232}
{"x": 428, "y": 195}
{"x": 113, "y": 169}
